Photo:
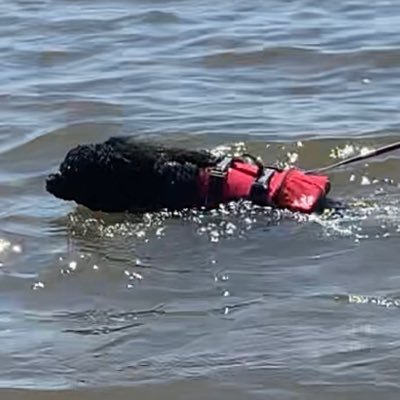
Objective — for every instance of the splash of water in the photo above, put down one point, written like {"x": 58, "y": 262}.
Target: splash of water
{"x": 380, "y": 301}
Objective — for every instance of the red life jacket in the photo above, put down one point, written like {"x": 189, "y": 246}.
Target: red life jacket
{"x": 292, "y": 188}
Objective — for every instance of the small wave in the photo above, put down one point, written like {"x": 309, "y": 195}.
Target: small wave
{"x": 160, "y": 17}
{"x": 297, "y": 56}
{"x": 255, "y": 57}
{"x": 106, "y": 322}
{"x": 59, "y": 140}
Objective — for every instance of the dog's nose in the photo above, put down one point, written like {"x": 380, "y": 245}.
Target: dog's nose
{"x": 54, "y": 184}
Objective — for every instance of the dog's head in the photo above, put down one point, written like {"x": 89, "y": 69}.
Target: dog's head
{"x": 74, "y": 179}
{"x": 108, "y": 176}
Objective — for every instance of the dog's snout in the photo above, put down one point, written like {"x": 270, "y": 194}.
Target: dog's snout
{"x": 55, "y": 184}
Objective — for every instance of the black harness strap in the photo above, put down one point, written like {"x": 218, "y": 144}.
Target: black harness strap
{"x": 217, "y": 176}
{"x": 259, "y": 189}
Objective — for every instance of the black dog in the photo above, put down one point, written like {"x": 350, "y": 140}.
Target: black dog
{"x": 123, "y": 174}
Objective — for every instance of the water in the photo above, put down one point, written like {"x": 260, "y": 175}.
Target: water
{"x": 239, "y": 303}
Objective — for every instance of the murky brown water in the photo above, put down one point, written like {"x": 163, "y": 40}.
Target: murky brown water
{"x": 239, "y": 303}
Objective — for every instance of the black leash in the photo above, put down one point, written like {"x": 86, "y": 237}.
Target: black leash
{"x": 374, "y": 153}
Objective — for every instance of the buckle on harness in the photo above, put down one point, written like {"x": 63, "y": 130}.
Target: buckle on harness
{"x": 259, "y": 189}
{"x": 220, "y": 170}
{"x": 216, "y": 180}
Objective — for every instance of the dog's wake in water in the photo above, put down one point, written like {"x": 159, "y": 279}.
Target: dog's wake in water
{"x": 365, "y": 218}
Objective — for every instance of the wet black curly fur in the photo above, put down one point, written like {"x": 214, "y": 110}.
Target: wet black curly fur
{"x": 124, "y": 174}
